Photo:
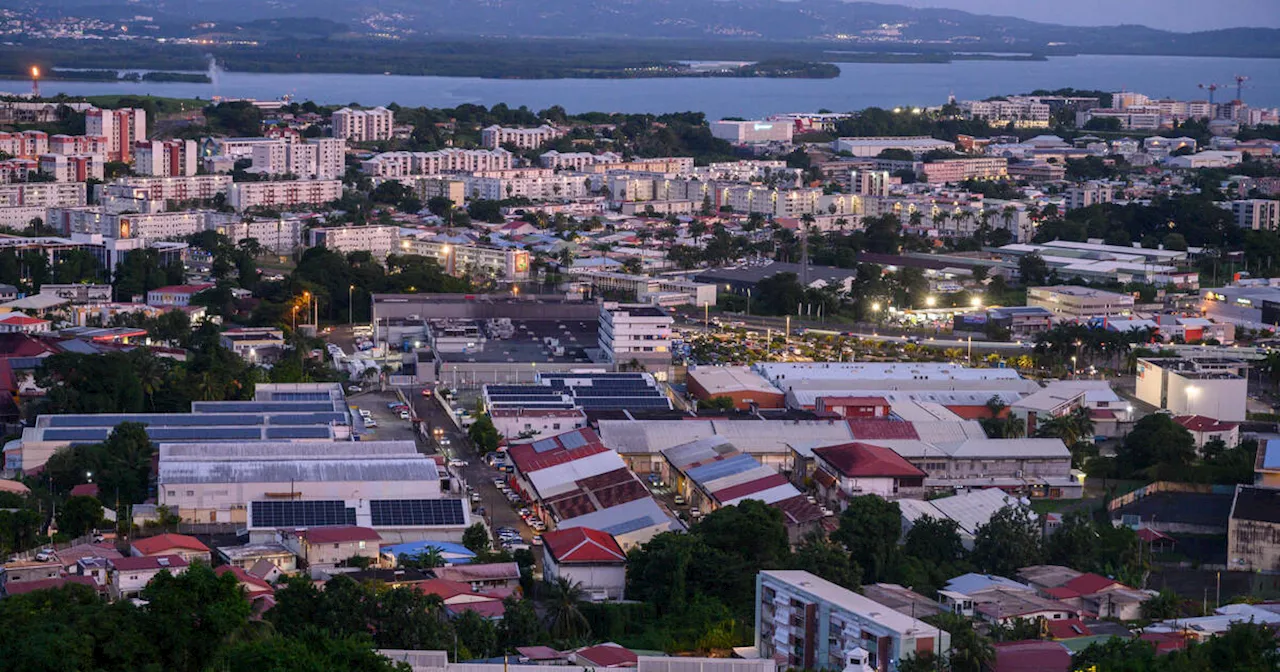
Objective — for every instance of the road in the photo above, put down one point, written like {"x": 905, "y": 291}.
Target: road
{"x": 697, "y": 324}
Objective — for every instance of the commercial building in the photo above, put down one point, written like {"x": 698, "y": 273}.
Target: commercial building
{"x": 663, "y": 291}
{"x": 968, "y": 510}
{"x": 640, "y": 443}
{"x": 746, "y": 388}
{"x": 175, "y": 295}
{"x": 850, "y": 470}
{"x": 1069, "y": 303}
{"x": 751, "y": 132}
{"x": 285, "y": 194}
{"x": 495, "y": 136}
{"x": 504, "y": 263}
{"x": 944, "y": 384}
{"x": 523, "y": 423}
{"x": 959, "y": 170}
{"x": 1093, "y": 260}
{"x": 1215, "y": 388}
{"x": 630, "y": 332}
{"x": 1253, "y": 530}
{"x": 363, "y": 125}
{"x": 122, "y": 128}
{"x": 378, "y": 241}
{"x": 1258, "y": 214}
{"x": 872, "y": 146}
{"x": 806, "y": 622}
{"x": 165, "y": 158}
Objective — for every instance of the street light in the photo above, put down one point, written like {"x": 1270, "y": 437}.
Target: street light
{"x": 350, "y": 305}
{"x": 875, "y": 306}
{"x": 977, "y": 302}
{"x": 931, "y": 301}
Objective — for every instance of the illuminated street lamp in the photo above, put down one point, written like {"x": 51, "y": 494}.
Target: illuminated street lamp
{"x": 931, "y": 301}
{"x": 977, "y": 302}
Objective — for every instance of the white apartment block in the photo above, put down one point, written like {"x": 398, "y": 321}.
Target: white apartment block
{"x": 42, "y": 194}
{"x": 244, "y": 195}
{"x": 1070, "y": 303}
{"x": 452, "y": 160}
{"x": 633, "y": 331}
{"x": 497, "y": 262}
{"x": 146, "y": 226}
{"x": 576, "y": 160}
{"x": 752, "y": 132}
{"x": 363, "y": 125}
{"x": 959, "y": 170}
{"x": 546, "y": 187}
{"x": 806, "y": 622}
{"x": 495, "y": 136}
{"x": 1137, "y": 118}
{"x": 122, "y": 128}
{"x": 279, "y": 235}
{"x": 242, "y": 148}
{"x": 667, "y": 164}
{"x": 742, "y": 171}
{"x": 76, "y": 168}
{"x": 170, "y": 188}
{"x": 1123, "y": 100}
{"x": 17, "y": 170}
{"x": 870, "y": 182}
{"x": 871, "y": 147}
{"x": 78, "y": 144}
{"x": 24, "y": 144}
{"x": 17, "y": 218}
{"x": 379, "y": 241}
{"x": 1087, "y": 194}
{"x": 792, "y": 203}
{"x": 315, "y": 159}
{"x": 1021, "y": 112}
{"x": 1257, "y": 214}
{"x": 451, "y": 188}
{"x": 165, "y": 158}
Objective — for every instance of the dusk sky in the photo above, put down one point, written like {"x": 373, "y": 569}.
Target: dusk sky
{"x": 1180, "y": 15}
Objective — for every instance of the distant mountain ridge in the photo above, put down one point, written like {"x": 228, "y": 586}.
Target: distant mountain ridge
{"x": 853, "y": 25}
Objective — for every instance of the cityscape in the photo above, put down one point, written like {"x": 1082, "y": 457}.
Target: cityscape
{"x": 971, "y": 384}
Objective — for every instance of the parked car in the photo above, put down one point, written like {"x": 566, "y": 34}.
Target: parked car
{"x": 679, "y": 500}
{"x": 354, "y": 389}
{"x": 457, "y": 464}
{"x": 536, "y": 540}
{"x": 475, "y": 498}
{"x": 499, "y": 483}
{"x": 404, "y": 415}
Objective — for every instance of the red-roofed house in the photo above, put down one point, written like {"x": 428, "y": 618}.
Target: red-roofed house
{"x": 853, "y": 469}
{"x": 20, "y": 587}
{"x": 1068, "y": 628}
{"x": 23, "y": 324}
{"x": 253, "y": 586}
{"x": 175, "y": 295}
{"x": 862, "y": 408}
{"x": 460, "y": 597}
{"x": 85, "y": 490}
{"x": 1031, "y": 656}
{"x": 187, "y": 548}
{"x": 1205, "y": 429}
{"x": 588, "y": 557}
{"x": 328, "y": 546}
{"x": 130, "y": 575}
{"x": 1165, "y": 642}
{"x": 605, "y": 655}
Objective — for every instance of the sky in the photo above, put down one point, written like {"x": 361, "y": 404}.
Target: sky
{"x": 1179, "y": 15}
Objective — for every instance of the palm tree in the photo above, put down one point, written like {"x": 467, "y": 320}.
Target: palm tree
{"x": 564, "y": 617}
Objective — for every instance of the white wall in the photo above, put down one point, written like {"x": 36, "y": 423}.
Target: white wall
{"x": 609, "y": 579}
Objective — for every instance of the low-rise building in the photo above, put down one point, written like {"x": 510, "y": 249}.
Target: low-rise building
{"x": 175, "y": 295}
{"x": 378, "y": 241}
{"x": 1070, "y": 303}
{"x": 1213, "y": 388}
{"x": 746, "y": 388}
{"x": 639, "y": 333}
{"x": 853, "y": 469}
{"x": 186, "y": 547}
{"x": 1205, "y": 430}
{"x": 523, "y": 423}
{"x": 1257, "y": 214}
{"x": 751, "y": 132}
{"x": 1253, "y": 530}
{"x": 495, "y": 136}
{"x": 587, "y": 557}
{"x": 331, "y": 545}
{"x": 130, "y": 575}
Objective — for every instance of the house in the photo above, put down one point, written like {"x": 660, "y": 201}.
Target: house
{"x": 175, "y": 295}
{"x": 1253, "y": 530}
{"x": 85, "y": 490}
{"x": 996, "y": 599}
{"x": 18, "y": 572}
{"x": 587, "y": 557}
{"x": 252, "y": 585}
{"x": 488, "y": 576}
{"x": 1040, "y": 407}
{"x": 1030, "y": 656}
{"x": 541, "y": 655}
{"x": 188, "y": 548}
{"x": 24, "y": 324}
{"x": 249, "y": 555}
{"x": 130, "y": 575}
{"x": 459, "y": 597}
{"x": 328, "y": 546}
{"x": 23, "y": 587}
{"x": 604, "y": 655}
{"x": 451, "y": 552}
{"x": 850, "y": 469}
{"x": 1205, "y": 429}
{"x": 1091, "y": 594}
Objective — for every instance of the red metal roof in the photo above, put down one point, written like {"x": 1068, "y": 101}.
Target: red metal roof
{"x": 583, "y": 545}
{"x": 1088, "y": 584}
{"x": 744, "y": 489}
{"x": 245, "y": 577}
{"x": 338, "y": 534}
{"x": 1149, "y": 535}
{"x": 528, "y": 457}
{"x": 608, "y": 655}
{"x": 798, "y": 510}
{"x": 20, "y": 587}
{"x": 445, "y": 588}
{"x": 1068, "y": 628}
{"x": 1200, "y": 423}
{"x": 1031, "y": 657}
{"x": 864, "y": 459}
{"x": 149, "y": 562}
{"x": 883, "y": 430}
{"x": 854, "y": 401}
{"x": 166, "y": 542}
{"x": 22, "y": 319}
{"x": 1165, "y": 641}
{"x": 85, "y": 490}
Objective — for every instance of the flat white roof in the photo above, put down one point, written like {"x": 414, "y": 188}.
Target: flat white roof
{"x": 825, "y": 591}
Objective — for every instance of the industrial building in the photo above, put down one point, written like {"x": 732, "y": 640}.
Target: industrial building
{"x": 1212, "y": 387}
{"x": 746, "y": 388}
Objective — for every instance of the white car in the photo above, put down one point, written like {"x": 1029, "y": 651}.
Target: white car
{"x": 404, "y": 415}
{"x": 370, "y": 422}
{"x": 457, "y": 464}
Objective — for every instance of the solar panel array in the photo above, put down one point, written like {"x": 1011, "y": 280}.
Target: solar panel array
{"x": 591, "y": 391}
{"x": 317, "y": 513}
{"x": 300, "y": 396}
{"x": 259, "y": 407}
{"x": 153, "y": 419}
{"x": 297, "y": 433}
{"x": 416, "y": 512}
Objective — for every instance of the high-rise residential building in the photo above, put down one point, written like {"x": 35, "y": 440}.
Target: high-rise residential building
{"x": 122, "y": 129}
{"x": 24, "y": 144}
{"x": 495, "y": 136}
{"x": 870, "y": 182}
{"x": 165, "y": 158}
{"x": 288, "y": 193}
{"x": 363, "y": 125}
{"x": 1087, "y": 194}
{"x": 178, "y": 188}
{"x": 1021, "y": 112}
{"x": 1258, "y": 214}
{"x": 378, "y": 241}
{"x": 806, "y": 622}
{"x": 636, "y": 332}
{"x": 78, "y": 144}
{"x": 72, "y": 168}
{"x": 317, "y": 158}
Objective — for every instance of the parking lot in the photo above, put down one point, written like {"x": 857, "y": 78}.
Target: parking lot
{"x": 387, "y": 424}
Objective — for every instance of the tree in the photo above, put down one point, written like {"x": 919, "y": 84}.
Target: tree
{"x": 934, "y": 541}
{"x": 564, "y": 617}
{"x": 1033, "y": 269}
{"x": 79, "y": 515}
{"x": 476, "y": 538}
{"x": 827, "y": 560}
{"x": 484, "y": 435}
{"x": 970, "y": 651}
{"x": 313, "y": 651}
{"x": 1156, "y": 448}
{"x": 1008, "y": 541}
{"x": 428, "y": 558}
{"x": 870, "y": 528}
{"x": 520, "y": 625}
{"x": 191, "y": 615}
{"x": 477, "y": 635}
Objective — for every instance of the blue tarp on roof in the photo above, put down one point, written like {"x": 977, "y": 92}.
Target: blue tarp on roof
{"x": 455, "y": 554}
{"x": 729, "y": 467}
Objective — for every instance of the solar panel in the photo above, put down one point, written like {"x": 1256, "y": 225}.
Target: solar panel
{"x": 572, "y": 440}
{"x": 543, "y": 445}
{"x": 75, "y": 434}
{"x": 300, "y": 396}
{"x": 204, "y": 433}
{"x": 154, "y": 420}
{"x": 416, "y": 512}
{"x": 307, "y": 418}
{"x": 316, "y": 513}
{"x": 259, "y": 407}
{"x": 298, "y": 432}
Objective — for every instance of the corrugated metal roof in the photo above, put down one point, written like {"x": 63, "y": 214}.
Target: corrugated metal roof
{"x": 563, "y": 478}
{"x": 727, "y": 481}
{"x": 718, "y": 470}
{"x": 284, "y": 471}
{"x": 771, "y": 490}
{"x": 283, "y": 450}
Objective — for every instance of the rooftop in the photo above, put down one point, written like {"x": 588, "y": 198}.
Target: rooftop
{"x": 730, "y": 379}
{"x": 1256, "y": 504}
{"x": 338, "y": 534}
{"x": 858, "y": 459}
{"x": 846, "y": 599}
{"x": 581, "y": 545}
{"x": 164, "y": 542}
{"x": 156, "y": 562}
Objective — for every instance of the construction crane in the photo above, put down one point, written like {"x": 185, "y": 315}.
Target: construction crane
{"x": 1240, "y": 80}
{"x": 1211, "y": 88}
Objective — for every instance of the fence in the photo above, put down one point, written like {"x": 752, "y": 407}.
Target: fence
{"x": 31, "y": 554}
{"x": 1168, "y": 486}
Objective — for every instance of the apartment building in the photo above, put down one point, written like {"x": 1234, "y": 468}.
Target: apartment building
{"x": 279, "y": 235}
{"x": 24, "y": 144}
{"x": 498, "y": 262}
{"x": 1130, "y": 119}
{"x": 165, "y": 158}
{"x": 17, "y": 170}
{"x": 122, "y": 128}
{"x": 244, "y": 195}
{"x": 315, "y": 159}
{"x": 493, "y": 137}
{"x": 752, "y": 132}
{"x": 792, "y": 203}
{"x": 78, "y": 144}
{"x": 379, "y": 241}
{"x": 452, "y": 160}
{"x": 870, "y": 182}
{"x": 959, "y": 170}
{"x": 664, "y": 165}
{"x": 870, "y": 147}
{"x": 162, "y": 189}
{"x": 42, "y": 194}
{"x": 1213, "y": 388}
{"x": 242, "y": 148}
{"x": 1069, "y": 303}
{"x": 546, "y": 186}
{"x": 575, "y": 160}
{"x": 1021, "y": 112}
{"x": 149, "y": 226}
{"x": 451, "y": 188}
{"x": 636, "y": 332}
{"x": 806, "y": 622}
{"x": 1087, "y": 194}
{"x": 1257, "y": 214}
{"x": 363, "y": 125}
{"x": 74, "y": 168}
